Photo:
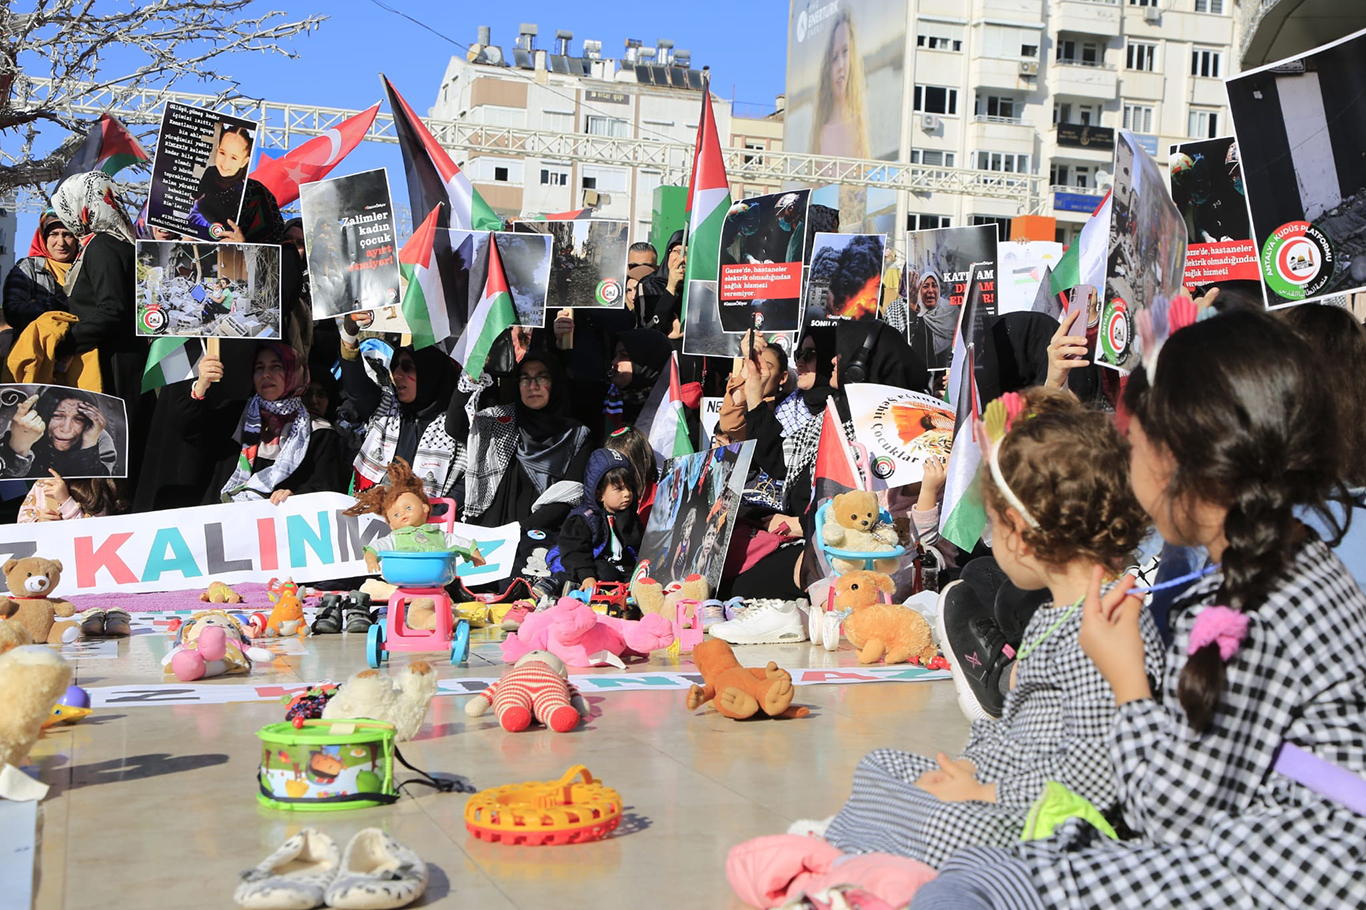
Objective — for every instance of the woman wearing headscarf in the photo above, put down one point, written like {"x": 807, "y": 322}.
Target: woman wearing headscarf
{"x": 99, "y": 284}
{"x": 35, "y": 285}
{"x": 406, "y": 416}
{"x": 268, "y": 447}
{"x": 658, "y": 297}
{"x": 525, "y": 454}
{"x": 931, "y": 332}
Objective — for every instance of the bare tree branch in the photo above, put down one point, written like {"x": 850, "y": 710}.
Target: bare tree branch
{"x": 65, "y": 41}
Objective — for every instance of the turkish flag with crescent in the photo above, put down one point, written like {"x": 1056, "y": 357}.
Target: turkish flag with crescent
{"x": 314, "y": 159}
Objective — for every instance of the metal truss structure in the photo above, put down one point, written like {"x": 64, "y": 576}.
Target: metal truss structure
{"x": 284, "y": 125}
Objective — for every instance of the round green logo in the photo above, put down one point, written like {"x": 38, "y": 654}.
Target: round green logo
{"x": 1115, "y": 330}
{"x": 608, "y": 292}
{"x": 1297, "y": 260}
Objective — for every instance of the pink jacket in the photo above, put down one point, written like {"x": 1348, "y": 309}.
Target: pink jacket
{"x": 767, "y": 871}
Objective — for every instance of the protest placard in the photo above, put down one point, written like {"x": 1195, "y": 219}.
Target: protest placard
{"x": 46, "y": 428}
{"x": 588, "y": 262}
{"x": 1207, "y": 186}
{"x": 845, "y": 277}
{"x": 1022, "y": 265}
{"x": 192, "y": 289}
{"x": 352, "y": 243}
{"x": 763, "y": 247}
{"x": 900, "y": 429}
{"x": 939, "y": 265}
{"x": 199, "y": 173}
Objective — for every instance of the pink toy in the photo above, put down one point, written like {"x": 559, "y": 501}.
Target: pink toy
{"x": 581, "y": 638}
{"x": 764, "y": 871}
{"x": 687, "y": 624}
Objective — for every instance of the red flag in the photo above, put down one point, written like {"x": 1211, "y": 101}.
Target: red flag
{"x": 834, "y": 457}
{"x": 314, "y": 159}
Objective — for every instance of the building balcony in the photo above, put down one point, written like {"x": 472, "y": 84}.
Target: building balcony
{"x": 1015, "y": 10}
{"x": 1002, "y": 132}
{"x": 1208, "y": 92}
{"x": 1091, "y": 17}
{"x": 1142, "y": 85}
{"x": 1015, "y": 75}
{"x": 1085, "y": 80}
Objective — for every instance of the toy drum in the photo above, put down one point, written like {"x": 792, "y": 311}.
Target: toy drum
{"x": 326, "y": 765}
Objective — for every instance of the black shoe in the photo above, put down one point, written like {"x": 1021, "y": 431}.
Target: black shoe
{"x": 978, "y": 652}
{"x": 329, "y": 618}
{"x": 356, "y": 612}
{"x": 116, "y": 624}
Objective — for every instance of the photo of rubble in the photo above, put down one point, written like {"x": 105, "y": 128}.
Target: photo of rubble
{"x": 190, "y": 289}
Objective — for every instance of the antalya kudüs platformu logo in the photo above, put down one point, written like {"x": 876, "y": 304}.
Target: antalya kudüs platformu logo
{"x": 1115, "y": 330}
{"x": 608, "y": 291}
{"x": 153, "y": 319}
{"x": 1297, "y": 260}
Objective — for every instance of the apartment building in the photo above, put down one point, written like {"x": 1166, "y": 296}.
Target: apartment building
{"x": 1033, "y": 86}
{"x": 646, "y": 93}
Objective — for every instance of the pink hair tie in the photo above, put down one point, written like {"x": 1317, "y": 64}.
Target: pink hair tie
{"x": 1218, "y": 625}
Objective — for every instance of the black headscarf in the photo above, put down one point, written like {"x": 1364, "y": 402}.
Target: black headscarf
{"x": 650, "y": 311}
{"x": 547, "y": 439}
{"x": 436, "y": 380}
{"x": 1015, "y": 355}
{"x": 890, "y": 362}
{"x": 822, "y": 332}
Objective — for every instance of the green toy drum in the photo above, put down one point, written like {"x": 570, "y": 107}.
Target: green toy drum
{"x": 326, "y": 765}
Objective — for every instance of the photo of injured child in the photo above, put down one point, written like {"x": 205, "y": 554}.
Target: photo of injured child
{"x": 208, "y": 290}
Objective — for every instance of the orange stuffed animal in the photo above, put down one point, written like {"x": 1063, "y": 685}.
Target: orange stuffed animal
{"x": 287, "y": 616}
{"x": 738, "y": 692}
{"x": 878, "y": 630}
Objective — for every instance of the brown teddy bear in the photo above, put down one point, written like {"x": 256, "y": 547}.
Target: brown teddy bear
{"x": 31, "y": 580}
{"x": 32, "y": 680}
{"x": 650, "y": 597}
{"x": 878, "y": 630}
{"x": 852, "y": 523}
{"x": 737, "y": 692}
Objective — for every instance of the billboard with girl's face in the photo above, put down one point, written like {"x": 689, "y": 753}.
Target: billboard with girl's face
{"x": 845, "y": 60}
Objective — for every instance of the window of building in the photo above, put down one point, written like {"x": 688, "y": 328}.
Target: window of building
{"x": 1009, "y": 162}
{"x": 1069, "y": 112}
{"x": 590, "y": 183}
{"x": 553, "y": 178}
{"x": 500, "y": 174}
{"x": 934, "y": 99}
{"x": 1138, "y": 118}
{"x": 1000, "y": 106}
{"x": 608, "y": 126}
{"x": 1143, "y": 2}
{"x": 1001, "y": 222}
{"x": 1203, "y": 124}
{"x": 1004, "y": 41}
{"x": 1140, "y": 55}
{"x": 1210, "y": 6}
{"x": 1029, "y": 50}
{"x": 1205, "y": 62}
{"x": 1071, "y": 175}
{"x": 606, "y": 179}
{"x": 752, "y": 146}
{"x": 1083, "y": 53}
{"x": 492, "y": 115}
{"x": 938, "y": 43}
{"x": 934, "y": 157}
{"x": 916, "y": 221}
{"x": 558, "y": 121}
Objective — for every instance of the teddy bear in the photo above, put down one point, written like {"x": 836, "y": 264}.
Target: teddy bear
{"x": 582, "y": 638}
{"x": 878, "y": 630}
{"x": 536, "y": 688}
{"x": 737, "y": 692}
{"x": 33, "y": 679}
{"x": 651, "y": 597}
{"x": 852, "y": 523}
{"x": 211, "y": 643}
{"x": 401, "y": 701}
{"x": 31, "y": 581}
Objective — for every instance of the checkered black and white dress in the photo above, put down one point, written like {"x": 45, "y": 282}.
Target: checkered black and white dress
{"x": 1055, "y": 727}
{"x": 1218, "y": 827}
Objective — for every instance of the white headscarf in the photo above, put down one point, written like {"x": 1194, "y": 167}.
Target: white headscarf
{"x": 87, "y": 205}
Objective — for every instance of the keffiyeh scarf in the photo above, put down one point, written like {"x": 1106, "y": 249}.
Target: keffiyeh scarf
{"x": 439, "y": 460}
{"x": 243, "y": 485}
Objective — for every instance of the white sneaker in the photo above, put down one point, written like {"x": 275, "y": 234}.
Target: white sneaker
{"x": 763, "y": 622}
{"x": 295, "y": 877}
{"x": 810, "y": 827}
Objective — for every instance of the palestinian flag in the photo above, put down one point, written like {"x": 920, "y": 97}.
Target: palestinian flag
{"x": 665, "y": 418}
{"x": 962, "y": 517}
{"x": 836, "y": 469}
{"x": 708, "y": 202}
{"x": 108, "y": 147}
{"x": 424, "y": 297}
{"x": 313, "y": 160}
{"x": 171, "y": 360}
{"x": 1084, "y": 261}
{"x": 494, "y": 314}
{"x": 432, "y": 176}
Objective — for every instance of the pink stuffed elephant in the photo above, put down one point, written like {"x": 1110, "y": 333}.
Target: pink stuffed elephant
{"x": 581, "y": 638}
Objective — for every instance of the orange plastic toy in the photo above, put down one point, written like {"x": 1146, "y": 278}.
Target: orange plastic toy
{"x": 564, "y": 811}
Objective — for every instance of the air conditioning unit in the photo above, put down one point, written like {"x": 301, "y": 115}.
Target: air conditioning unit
{"x": 1152, "y": 15}
{"x": 1029, "y": 68}
{"x": 929, "y": 122}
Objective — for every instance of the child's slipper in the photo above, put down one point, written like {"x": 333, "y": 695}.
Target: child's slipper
{"x": 294, "y": 877}
{"x": 733, "y": 607}
{"x": 92, "y": 623}
{"x": 116, "y": 624}
{"x": 377, "y": 872}
{"x": 329, "y": 618}
{"x": 357, "y": 615}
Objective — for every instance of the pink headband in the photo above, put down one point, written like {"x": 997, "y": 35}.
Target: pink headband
{"x": 1223, "y": 626}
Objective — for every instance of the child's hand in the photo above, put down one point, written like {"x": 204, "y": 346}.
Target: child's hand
{"x": 476, "y": 558}
{"x": 371, "y": 563}
{"x": 588, "y": 584}
{"x": 955, "y": 782}
{"x": 932, "y": 483}
{"x": 55, "y": 489}
{"x": 1111, "y": 638}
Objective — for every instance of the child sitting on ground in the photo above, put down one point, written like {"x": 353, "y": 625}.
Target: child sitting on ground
{"x": 403, "y": 503}
{"x": 1056, "y": 489}
{"x": 599, "y": 539}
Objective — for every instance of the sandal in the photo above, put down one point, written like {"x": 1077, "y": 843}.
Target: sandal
{"x": 356, "y": 612}
{"x": 329, "y": 619}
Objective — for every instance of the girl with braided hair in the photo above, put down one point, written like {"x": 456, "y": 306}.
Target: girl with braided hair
{"x": 1240, "y": 769}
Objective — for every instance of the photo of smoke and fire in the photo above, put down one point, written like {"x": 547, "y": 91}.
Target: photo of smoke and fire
{"x": 845, "y": 279}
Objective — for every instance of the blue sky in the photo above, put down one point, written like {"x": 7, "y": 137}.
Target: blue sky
{"x": 339, "y": 64}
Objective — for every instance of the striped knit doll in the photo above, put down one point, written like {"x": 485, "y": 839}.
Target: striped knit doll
{"x": 537, "y": 688}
